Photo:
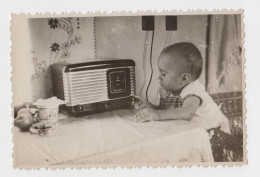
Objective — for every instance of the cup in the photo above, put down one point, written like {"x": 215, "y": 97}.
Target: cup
{"x": 48, "y": 116}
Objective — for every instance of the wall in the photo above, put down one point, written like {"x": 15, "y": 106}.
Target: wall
{"x": 122, "y": 37}
{"x": 22, "y": 66}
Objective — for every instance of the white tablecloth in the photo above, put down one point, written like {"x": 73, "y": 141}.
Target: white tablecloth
{"x": 113, "y": 138}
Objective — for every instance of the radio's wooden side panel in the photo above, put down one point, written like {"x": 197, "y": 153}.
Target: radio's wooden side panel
{"x": 57, "y": 80}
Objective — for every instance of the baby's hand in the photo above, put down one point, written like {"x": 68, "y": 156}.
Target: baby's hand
{"x": 139, "y": 103}
{"x": 147, "y": 114}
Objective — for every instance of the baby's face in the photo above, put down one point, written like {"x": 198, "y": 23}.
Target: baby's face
{"x": 170, "y": 77}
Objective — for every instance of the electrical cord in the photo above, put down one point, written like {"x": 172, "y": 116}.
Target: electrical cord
{"x": 144, "y": 59}
{"x": 151, "y": 64}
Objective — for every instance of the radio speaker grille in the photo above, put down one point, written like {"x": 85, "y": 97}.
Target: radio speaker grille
{"x": 85, "y": 86}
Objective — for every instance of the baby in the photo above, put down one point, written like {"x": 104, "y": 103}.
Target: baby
{"x": 181, "y": 96}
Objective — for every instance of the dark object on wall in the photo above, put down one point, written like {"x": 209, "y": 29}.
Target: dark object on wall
{"x": 171, "y": 23}
{"x": 96, "y": 86}
{"x": 148, "y": 23}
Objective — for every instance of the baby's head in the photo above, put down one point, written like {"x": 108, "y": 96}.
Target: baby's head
{"x": 179, "y": 64}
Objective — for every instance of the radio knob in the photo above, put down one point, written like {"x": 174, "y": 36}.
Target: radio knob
{"x": 107, "y": 106}
{"x": 79, "y": 108}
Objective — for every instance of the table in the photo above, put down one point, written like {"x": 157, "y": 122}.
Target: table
{"x": 113, "y": 139}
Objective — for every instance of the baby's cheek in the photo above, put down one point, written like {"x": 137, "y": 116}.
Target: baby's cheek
{"x": 166, "y": 81}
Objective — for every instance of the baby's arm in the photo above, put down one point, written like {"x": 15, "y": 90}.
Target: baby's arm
{"x": 140, "y": 103}
{"x": 186, "y": 112}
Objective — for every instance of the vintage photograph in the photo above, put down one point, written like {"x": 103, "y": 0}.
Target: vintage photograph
{"x": 128, "y": 90}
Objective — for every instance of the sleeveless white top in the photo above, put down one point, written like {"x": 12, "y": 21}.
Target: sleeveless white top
{"x": 208, "y": 113}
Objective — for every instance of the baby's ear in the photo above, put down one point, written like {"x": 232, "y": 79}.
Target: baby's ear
{"x": 185, "y": 78}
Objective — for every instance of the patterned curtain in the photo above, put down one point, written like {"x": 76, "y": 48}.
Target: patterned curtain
{"x": 224, "y": 64}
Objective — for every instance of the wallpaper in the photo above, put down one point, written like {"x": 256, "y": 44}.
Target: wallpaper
{"x": 48, "y": 41}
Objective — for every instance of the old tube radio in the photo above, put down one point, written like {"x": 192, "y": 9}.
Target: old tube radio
{"x": 95, "y": 86}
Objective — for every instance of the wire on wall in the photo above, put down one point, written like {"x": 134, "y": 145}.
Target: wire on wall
{"x": 207, "y": 52}
{"x": 151, "y": 64}
{"x": 144, "y": 60}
